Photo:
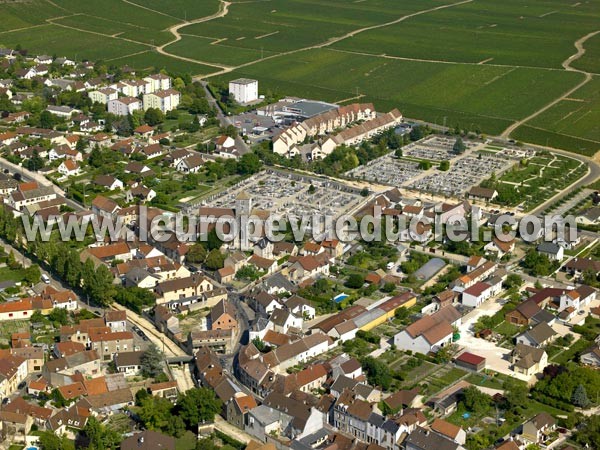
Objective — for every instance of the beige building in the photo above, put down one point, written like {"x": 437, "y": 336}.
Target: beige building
{"x": 165, "y": 100}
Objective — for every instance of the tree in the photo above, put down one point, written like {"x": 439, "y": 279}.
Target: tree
{"x": 35, "y": 163}
{"x": 515, "y": 393}
{"x": 46, "y": 120}
{"x": 155, "y": 412}
{"x": 579, "y": 397}
{"x": 398, "y": 153}
{"x": 588, "y": 433}
{"x": 100, "y": 437}
{"x": 425, "y": 165}
{"x": 378, "y": 373}
{"x": 151, "y": 361}
{"x": 355, "y": 281}
{"x": 215, "y": 260}
{"x": 513, "y": 281}
{"x": 213, "y": 241}
{"x": 416, "y": 133}
{"x": 445, "y": 166}
{"x": 154, "y": 116}
{"x": 59, "y": 315}
{"x": 99, "y": 285}
{"x": 475, "y": 401}
{"x": 32, "y": 274}
{"x": 197, "y": 406}
{"x": 401, "y": 313}
{"x": 50, "y": 441}
{"x": 249, "y": 164}
{"x": 247, "y": 272}
{"x": 459, "y": 146}
{"x": 196, "y": 254}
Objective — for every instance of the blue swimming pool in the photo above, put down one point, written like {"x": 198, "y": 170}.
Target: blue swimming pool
{"x": 340, "y": 297}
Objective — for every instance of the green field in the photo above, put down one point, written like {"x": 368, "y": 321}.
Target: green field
{"x": 182, "y": 9}
{"x": 74, "y": 44}
{"x": 480, "y": 64}
{"x": 574, "y": 123}
{"x": 511, "y": 32}
{"x": 474, "y": 96}
{"x": 590, "y": 61}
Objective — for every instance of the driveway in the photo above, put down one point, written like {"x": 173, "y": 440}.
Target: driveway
{"x": 497, "y": 357}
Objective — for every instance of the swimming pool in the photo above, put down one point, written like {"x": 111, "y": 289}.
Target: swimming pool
{"x": 340, "y": 297}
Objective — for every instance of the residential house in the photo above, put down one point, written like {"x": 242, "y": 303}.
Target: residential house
{"x": 553, "y": 251}
{"x": 69, "y": 168}
{"x": 105, "y": 207}
{"x": 423, "y": 439}
{"x": 190, "y": 164}
{"x": 148, "y": 440}
{"x": 103, "y": 95}
{"x": 591, "y": 357}
{"x": 238, "y": 408}
{"x": 539, "y": 336}
{"x": 108, "y": 344}
{"x": 536, "y": 429}
{"x": 194, "y": 285}
{"x": 223, "y": 316}
{"x": 109, "y": 182}
{"x": 116, "y": 320}
{"x": 528, "y": 360}
{"x": 129, "y": 363}
{"x": 430, "y": 333}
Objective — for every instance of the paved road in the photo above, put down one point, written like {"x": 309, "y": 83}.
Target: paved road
{"x": 26, "y": 262}
{"x": 224, "y": 120}
{"x": 27, "y": 175}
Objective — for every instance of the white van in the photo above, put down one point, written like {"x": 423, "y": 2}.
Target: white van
{"x": 45, "y": 278}
{"x": 390, "y": 266}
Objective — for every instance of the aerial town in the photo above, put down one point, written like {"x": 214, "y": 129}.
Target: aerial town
{"x": 317, "y": 343}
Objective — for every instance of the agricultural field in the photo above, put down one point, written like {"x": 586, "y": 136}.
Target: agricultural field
{"x": 16, "y": 15}
{"x": 474, "y": 96}
{"x": 511, "y": 32}
{"x": 590, "y": 61}
{"x": 210, "y": 51}
{"x": 150, "y": 58}
{"x": 479, "y": 64}
{"x": 182, "y": 9}
{"x": 573, "y": 122}
{"x": 54, "y": 39}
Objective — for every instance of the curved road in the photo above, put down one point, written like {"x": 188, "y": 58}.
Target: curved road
{"x": 223, "y": 10}
{"x": 567, "y": 66}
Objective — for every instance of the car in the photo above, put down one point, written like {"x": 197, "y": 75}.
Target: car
{"x": 45, "y": 278}
{"x": 581, "y": 312}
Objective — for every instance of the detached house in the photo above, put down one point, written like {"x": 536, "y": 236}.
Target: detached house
{"x": 535, "y": 430}
{"x": 190, "y": 164}
{"x": 428, "y": 334}
{"x": 528, "y": 360}
{"x": 538, "y": 336}
{"x": 69, "y": 168}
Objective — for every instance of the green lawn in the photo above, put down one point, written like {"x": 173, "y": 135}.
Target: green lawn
{"x": 7, "y": 274}
{"x": 186, "y": 442}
